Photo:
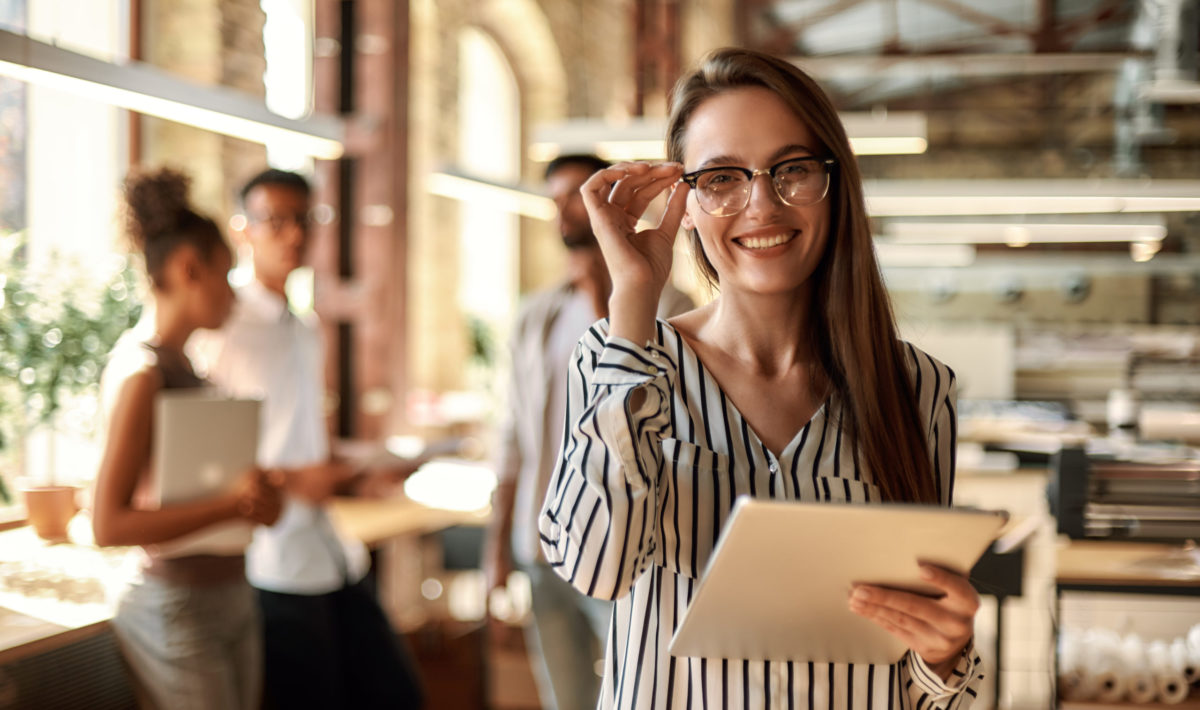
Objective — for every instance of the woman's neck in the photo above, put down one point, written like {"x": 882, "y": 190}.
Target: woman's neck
{"x": 171, "y": 329}
{"x": 769, "y": 333}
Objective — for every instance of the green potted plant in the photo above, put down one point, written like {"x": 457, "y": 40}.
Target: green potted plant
{"x": 58, "y": 320}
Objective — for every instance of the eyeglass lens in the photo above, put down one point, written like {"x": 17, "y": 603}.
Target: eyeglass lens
{"x": 726, "y": 192}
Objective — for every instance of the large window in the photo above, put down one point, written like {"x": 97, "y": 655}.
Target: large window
{"x": 489, "y": 147}
{"x": 59, "y": 175}
{"x": 62, "y": 158}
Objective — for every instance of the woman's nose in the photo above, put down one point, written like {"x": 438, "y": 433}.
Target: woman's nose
{"x": 763, "y": 200}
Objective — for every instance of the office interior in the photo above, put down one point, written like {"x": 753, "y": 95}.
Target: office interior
{"x": 1032, "y": 174}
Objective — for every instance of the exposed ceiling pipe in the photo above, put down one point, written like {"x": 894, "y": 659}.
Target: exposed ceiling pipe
{"x": 1175, "y": 40}
{"x": 1167, "y": 28}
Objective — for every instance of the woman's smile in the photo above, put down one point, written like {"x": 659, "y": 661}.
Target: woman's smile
{"x": 763, "y": 242}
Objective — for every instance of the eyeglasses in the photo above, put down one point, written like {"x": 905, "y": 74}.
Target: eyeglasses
{"x": 725, "y": 191}
{"x": 279, "y": 222}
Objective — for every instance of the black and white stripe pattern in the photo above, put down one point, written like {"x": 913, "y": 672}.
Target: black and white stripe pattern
{"x": 638, "y": 500}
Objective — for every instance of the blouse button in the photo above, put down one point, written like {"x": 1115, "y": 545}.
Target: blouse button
{"x": 774, "y": 467}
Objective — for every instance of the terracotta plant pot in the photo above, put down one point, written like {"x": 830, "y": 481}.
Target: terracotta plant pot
{"x": 50, "y": 508}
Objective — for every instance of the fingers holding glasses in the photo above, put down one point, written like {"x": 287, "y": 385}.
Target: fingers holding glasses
{"x": 636, "y": 192}
{"x": 630, "y": 186}
{"x": 639, "y": 262}
{"x": 615, "y": 198}
{"x": 676, "y": 207}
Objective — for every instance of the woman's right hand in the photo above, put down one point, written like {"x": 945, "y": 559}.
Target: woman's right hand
{"x": 639, "y": 262}
{"x": 258, "y": 497}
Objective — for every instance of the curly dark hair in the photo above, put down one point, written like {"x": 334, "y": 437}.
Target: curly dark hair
{"x": 159, "y": 219}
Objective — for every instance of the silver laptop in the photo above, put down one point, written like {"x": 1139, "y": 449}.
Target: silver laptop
{"x": 203, "y": 443}
{"x": 777, "y": 585}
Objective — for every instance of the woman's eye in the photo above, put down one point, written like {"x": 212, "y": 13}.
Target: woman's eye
{"x": 794, "y": 170}
{"x": 721, "y": 179}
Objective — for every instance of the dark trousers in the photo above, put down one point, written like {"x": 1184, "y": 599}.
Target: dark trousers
{"x": 334, "y": 650}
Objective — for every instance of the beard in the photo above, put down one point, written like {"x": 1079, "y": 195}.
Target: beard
{"x": 582, "y": 238}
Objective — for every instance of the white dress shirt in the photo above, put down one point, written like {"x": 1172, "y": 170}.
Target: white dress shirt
{"x": 266, "y": 351}
{"x": 637, "y": 501}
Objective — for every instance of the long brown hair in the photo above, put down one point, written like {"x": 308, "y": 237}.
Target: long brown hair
{"x": 856, "y": 341}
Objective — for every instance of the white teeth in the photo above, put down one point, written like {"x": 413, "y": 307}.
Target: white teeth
{"x": 765, "y": 242}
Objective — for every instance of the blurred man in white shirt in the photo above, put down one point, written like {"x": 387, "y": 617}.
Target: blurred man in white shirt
{"x": 328, "y": 643}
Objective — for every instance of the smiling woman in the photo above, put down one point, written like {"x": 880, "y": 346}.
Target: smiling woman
{"x": 792, "y": 384}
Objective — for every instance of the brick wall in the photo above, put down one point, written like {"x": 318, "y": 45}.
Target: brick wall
{"x": 214, "y": 42}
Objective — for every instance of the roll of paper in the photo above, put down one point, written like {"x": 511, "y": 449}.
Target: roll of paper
{"x": 1141, "y": 686}
{"x": 1111, "y": 687}
{"x": 1173, "y": 688}
{"x": 1101, "y": 665}
{"x": 1170, "y": 424}
{"x": 1134, "y": 670}
{"x": 1073, "y": 681}
{"x": 1183, "y": 661}
{"x": 1159, "y": 661}
{"x": 1074, "y": 685}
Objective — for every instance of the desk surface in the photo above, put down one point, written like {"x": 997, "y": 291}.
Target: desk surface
{"x": 1095, "y": 562}
{"x": 375, "y": 520}
{"x": 52, "y": 594}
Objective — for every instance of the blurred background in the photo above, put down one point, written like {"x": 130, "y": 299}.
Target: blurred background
{"x": 1032, "y": 173}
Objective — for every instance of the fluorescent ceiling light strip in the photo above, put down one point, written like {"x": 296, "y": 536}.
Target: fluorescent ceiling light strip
{"x": 1020, "y": 234}
{"x": 146, "y": 90}
{"x": 883, "y": 133}
{"x": 888, "y": 145}
{"x": 1050, "y": 267}
{"x": 923, "y": 205}
{"x": 952, "y": 205}
{"x": 893, "y": 255}
{"x": 508, "y": 198}
{"x": 916, "y": 198}
{"x": 631, "y": 150}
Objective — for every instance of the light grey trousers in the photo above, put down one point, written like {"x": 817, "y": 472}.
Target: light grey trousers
{"x": 191, "y": 647}
{"x": 567, "y": 637}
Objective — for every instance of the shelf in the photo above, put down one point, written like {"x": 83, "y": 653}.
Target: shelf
{"x": 1192, "y": 703}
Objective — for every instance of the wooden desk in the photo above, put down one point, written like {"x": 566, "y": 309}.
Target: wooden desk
{"x": 376, "y": 520}
{"x": 53, "y": 595}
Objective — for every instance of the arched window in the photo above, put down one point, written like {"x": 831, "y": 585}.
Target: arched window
{"x": 489, "y": 147}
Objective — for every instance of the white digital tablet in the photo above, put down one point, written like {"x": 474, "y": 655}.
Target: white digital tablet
{"x": 203, "y": 442}
{"x": 777, "y": 584}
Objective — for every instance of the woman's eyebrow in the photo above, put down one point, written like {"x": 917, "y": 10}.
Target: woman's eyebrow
{"x": 789, "y": 149}
{"x": 718, "y": 160}
{"x": 729, "y": 160}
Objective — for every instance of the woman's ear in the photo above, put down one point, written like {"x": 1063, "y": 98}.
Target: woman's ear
{"x": 687, "y": 222}
{"x": 183, "y": 266}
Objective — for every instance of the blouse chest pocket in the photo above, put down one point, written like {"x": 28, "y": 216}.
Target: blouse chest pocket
{"x": 697, "y": 489}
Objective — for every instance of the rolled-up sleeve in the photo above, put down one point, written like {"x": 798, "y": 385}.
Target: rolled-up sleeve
{"x": 926, "y": 689}
{"x": 598, "y": 520}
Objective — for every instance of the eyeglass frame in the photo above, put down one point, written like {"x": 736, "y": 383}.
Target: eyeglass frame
{"x": 828, "y": 163}
{"x": 278, "y": 223}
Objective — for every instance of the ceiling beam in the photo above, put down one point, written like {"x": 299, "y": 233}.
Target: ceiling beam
{"x": 993, "y": 25}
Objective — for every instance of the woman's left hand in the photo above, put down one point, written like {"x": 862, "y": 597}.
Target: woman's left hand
{"x": 937, "y": 629}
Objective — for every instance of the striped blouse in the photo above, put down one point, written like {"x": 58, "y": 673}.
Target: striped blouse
{"x": 636, "y": 505}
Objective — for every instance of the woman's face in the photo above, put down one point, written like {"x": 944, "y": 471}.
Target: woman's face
{"x": 769, "y": 247}
{"x": 213, "y": 295}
